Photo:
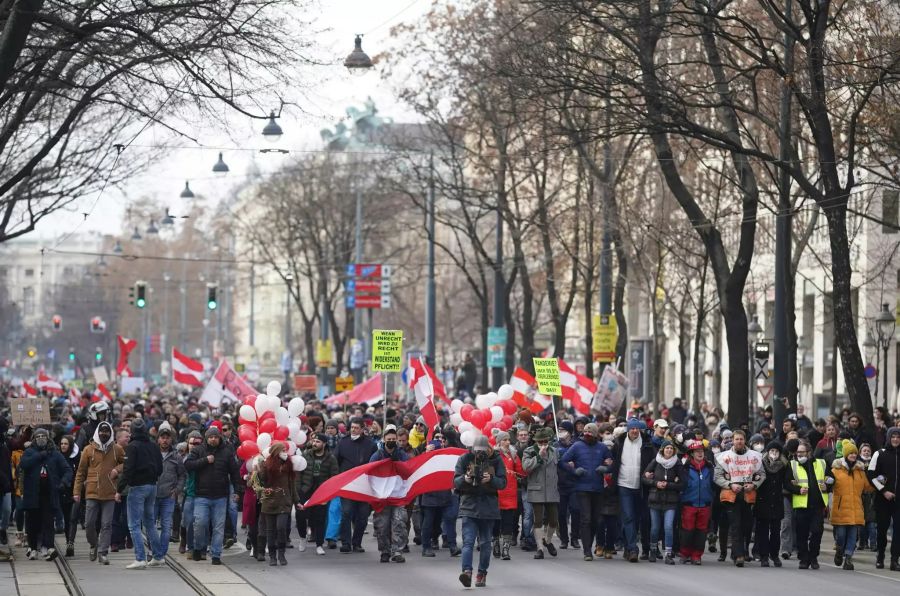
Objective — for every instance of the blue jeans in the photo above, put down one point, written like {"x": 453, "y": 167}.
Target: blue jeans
{"x": 232, "y": 513}
{"x": 665, "y": 518}
{"x": 165, "y": 507}
{"x": 632, "y": 504}
{"x": 846, "y": 539}
{"x": 869, "y": 534}
{"x": 5, "y": 510}
{"x": 527, "y": 517}
{"x": 187, "y": 521}
{"x": 448, "y": 523}
{"x": 483, "y": 529}
{"x": 333, "y": 526}
{"x": 205, "y": 510}
{"x": 141, "y": 503}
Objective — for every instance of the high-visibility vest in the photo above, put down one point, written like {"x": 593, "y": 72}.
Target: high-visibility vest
{"x": 800, "y": 477}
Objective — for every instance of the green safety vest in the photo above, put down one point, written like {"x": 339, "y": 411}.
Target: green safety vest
{"x": 800, "y": 501}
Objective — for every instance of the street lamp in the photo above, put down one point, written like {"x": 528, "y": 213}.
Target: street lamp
{"x": 117, "y": 248}
{"x": 272, "y": 131}
{"x": 754, "y": 332}
{"x": 885, "y": 324}
{"x": 358, "y": 62}
{"x": 167, "y": 220}
{"x": 187, "y": 193}
{"x": 137, "y": 235}
{"x": 152, "y": 229}
{"x": 220, "y": 168}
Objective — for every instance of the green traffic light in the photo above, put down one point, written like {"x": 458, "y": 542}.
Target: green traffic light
{"x": 141, "y": 302}
{"x": 98, "y": 356}
{"x": 72, "y": 356}
{"x": 212, "y": 305}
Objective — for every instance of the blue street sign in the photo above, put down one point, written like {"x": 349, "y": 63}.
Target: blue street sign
{"x": 350, "y": 286}
{"x": 351, "y": 270}
{"x": 350, "y": 301}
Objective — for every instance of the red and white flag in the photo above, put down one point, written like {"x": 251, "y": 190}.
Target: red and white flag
{"x": 186, "y": 371}
{"x": 30, "y": 391}
{"x": 436, "y": 383}
{"x": 49, "y": 385}
{"x": 524, "y": 392}
{"x": 125, "y": 347}
{"x": 74, "y": 397}
{"x": 576, "y": 388}
{"x": 101, "y": 392}
{"x": 225, "y": 384}
{"x": 368, "y": 392}
{"x": 388, "y": 482}
{"x": 423, "y": 387}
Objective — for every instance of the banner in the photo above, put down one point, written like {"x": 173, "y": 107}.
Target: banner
{"x": 30, "y": 411}
{"x": 387, "y": 350}
{"x": 546, "y": 371}
{"x": 612, "y": 388}
{"x": 226, "y": 384}
{"x": 496, "y": 347}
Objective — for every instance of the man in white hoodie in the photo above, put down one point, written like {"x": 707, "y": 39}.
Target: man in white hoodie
{"x": 100, "y": 466}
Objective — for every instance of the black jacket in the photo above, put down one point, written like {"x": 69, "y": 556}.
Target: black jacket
{"x": 6, "y": 484}
{"x": 648, "y": 454}
{"x": 770, "y": 495}
{"x": 663, "y": 498}
{"x": 213, "y": 480}
{"x": 352, "y": 453}
{"x": 143, "y": 461}
{"x": 884, "y": 474}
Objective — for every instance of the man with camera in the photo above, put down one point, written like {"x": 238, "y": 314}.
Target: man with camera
{"x": 478, "y": 476}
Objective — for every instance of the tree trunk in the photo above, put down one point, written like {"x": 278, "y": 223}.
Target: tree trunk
{"x": 736, "y": 338}
{"x": 309, "y": 341}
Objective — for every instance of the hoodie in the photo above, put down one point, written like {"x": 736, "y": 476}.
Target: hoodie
{"x": 143, "y": 461}
{"x": 94, "y": 479}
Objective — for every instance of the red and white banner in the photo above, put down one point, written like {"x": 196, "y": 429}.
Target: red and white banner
{"x": 186, "y": 371}
{"x": 49, "y": 385}
{"x": 576, "y": 388}
{"x": 423, "y": 387}
{"x": 125, "y": 347}
{"x": 101, "y": 392}
{"x": 388, "y": 482}
{"x": 525, "y": 393}
{"x": 226, "y": 384}
{"x": 368, "y": 392}
{"x": 436, "y": 383}
{"x": 74, "y": 397}
{"x": 30, "y": 391}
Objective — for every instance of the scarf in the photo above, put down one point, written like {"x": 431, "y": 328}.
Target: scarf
{"x": 666, "y": 463}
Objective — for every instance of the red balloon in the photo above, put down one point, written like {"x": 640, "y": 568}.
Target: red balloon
{"x": 250, "y": 400}
{"x": 247, "y": 432}
{"x": 478, "y": 419}
{"x": 506, "y": 423}
{"x": 268, "y": 426}
{"x": 281, "y": 433}
{"x": 466, "y": 412}
{"x": 509, "y": 406}
{"x": 248, "y": 449}
{"x": 267, "y": 415}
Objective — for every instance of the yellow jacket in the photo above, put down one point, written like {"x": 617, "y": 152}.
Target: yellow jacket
{"x": 849, "y": 486}
{"x": 416, "y": 438}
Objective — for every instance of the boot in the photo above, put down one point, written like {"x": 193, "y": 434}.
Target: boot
{"x": 496, "y": 548}
{"x": 838, "y": 556}
{"x": 261, "y": 548}
{"x": 281, "y": 559}
{"x": 504, "y": 548}
{"x": 70, "y": 549}
{"x": 182, "y": 544}
{"x": 895, "y": 565}
{"x": 273, "y": 562}
{"x": 848, "y": 563}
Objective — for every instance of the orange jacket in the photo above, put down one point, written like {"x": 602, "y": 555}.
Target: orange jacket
{"x": 849, "y": 485}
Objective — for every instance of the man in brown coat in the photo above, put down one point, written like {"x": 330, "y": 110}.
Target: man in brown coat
{"x": 100, "y": 465}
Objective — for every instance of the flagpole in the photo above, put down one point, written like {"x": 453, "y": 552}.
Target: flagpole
{"x": 553, "y": 409}
{"x": 384, "y": 409}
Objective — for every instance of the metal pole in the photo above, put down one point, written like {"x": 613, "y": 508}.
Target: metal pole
{"x": 165, "y": 330}
{"x": 497, "y": 377}
{"x": 357, "y": 259}
{"x": 752, "y": 380}
{"x": 323, "y": 323}
{"x": 144, "y": 346}
{"x": 429, "y": 288}
{"x": 885, "y": 373}
{"x": 288, "y": 334}
{"x": 783, "y": 220}
{"x": 252, "y": 298}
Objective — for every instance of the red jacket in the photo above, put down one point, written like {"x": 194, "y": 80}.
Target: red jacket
{"x": 508, "y": 497}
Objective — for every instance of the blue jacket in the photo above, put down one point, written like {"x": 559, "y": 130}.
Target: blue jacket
{"x": 567, "y": 477}
{"x": 59, "y": 474}
{"x": 350, "y": 453}
{"x": 698, "y": 485}
{"x": 588, "y": 457}
{"x": 397, "y": 455}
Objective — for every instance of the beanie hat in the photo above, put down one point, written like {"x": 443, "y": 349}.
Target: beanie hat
{"x": 665, "y": 444}
{"x": 165, "y": 427}
{"x": 481, "y": 443}
{"x": 636, "y": 423}
{"x": 894, "y": 430}
{"x": 332, "y": 423}
{"x": 849, "y": 447}
{"x": 194, "y": 434}
{"x": 544, "y": 434}
{"x": 500, "y": 436}
{"x": 757, "y": 438}
{"x": 212, "y": 431}
{"x": 567, "y": 425}
{"x": 775, "y": 445}
{"x": 322, "y": 437}
{"x": 592, "y": 428}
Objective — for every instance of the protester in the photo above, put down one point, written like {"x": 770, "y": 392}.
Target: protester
{"x": 390, "y": 522}
{"x": 320, "y": 466}
{"x": 696, "y": 502}
{"x": 663, "y": 477}
{"x": 769, "y": 509}
{"x": 278, "y": 496}
{"x": 739, "y": 473}
{"x": 507, "y": 497}
{"x": 140, "y": 473}
{"x": 354, "y": 450}
{"x": 540, "y": 464}
{"x": 169, "y": 486}
{"x": 101, "y": 463}
{"x": 847, "y": 512}
{"x": 884, "y": 474}
{"x": 590, "y": 460}
{"x": 808, "y": 480}
{"x": 44, "y": 472}
{"x": 631, "y": 455}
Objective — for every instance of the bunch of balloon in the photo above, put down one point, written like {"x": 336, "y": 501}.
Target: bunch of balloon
{"x": 264, "y": 420}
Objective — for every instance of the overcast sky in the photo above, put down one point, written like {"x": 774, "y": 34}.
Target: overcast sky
{"x": 322, "y": 106}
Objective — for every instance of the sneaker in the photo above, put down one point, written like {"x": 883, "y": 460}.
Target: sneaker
{"x": 539, "y": 554}
{"x": 645, "y": 556}
{"x": 895, "y": 565}
{"x": 776, "y": 561}
{"x": 31, "y": 555}
{"x": 814, "y": 564}
{"x": 722, "y": 556}
{"x": 739, "y": 562}
{"x": 632, "y": 557}
{"x": 137, "y": 565}
{"x": 70, "y": 550}
{"x": 575, "y": 543}
{"x": 481, "y": 580}
{"x": 455, "y": 551}
{"x": 589, "y": 557}
{"x": 785, "y": 556}
{"x": 216, "y": 561}
{"x": 50, "y": 554}
{"x": 550, "y": 548}
{"x": 428, "y": 553}
{"x": 92, "y": 555}
{"x": 669, "y": 560}
{"x": 345, "y": 548}
{"x": 153, "y": 562}
{"x": 598, "y": 551}
{"x": 358, "y": 549}
{"x": 229, "y": 542}
{"x": 405, "y": 549}
{"x": 465, "y": 578}
{"x": 103, "y": 559}
{"x": 398, "y": 558}
{"x": 320, "y": 551}
{"x": 197, "y": 556}
{"x": 696, "y": 562}
{"x": 301, "y": 546}
{"x": 764, "y": 563}
{"x": 803, "y": 565}
{"x": 20, "y": 539}
{"x": 651, "y": 556}
{"x": 385, "y": 557}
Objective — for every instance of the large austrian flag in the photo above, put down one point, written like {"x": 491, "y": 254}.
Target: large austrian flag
{"x": 186, "y": 371}
{"x": 49, "y": 385}
{"x": 524, "y": 392}
{"x": 576, "y": 388}
{"x": 424, "y": 390}
{"x": 391, "y": 483}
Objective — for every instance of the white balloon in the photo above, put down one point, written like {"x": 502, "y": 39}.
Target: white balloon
{"x": 263, "y": 441}
{"x": 468, "y": 438}
{"x": 273, "y": 388}
{"x": 481, "y": 402}
{"x": 456, "y": 405}
{"x": 491, "y": 399}
{"x": 300, "y": 438}
{"x": 299, "y": 462}
{"x": 496, "y": 413}
{"x": 295, "y": 406}
{"x": 293, "y": 425}
{"x": 247, "y": 413}
{"x": 456, "y": 419}
{"x": 466, "y": 425}
{"x": 292, "y": 448}
{"x": 261, "y": 406}
{"x": 281, "y": 416}
{"x": 264, "y": 454}
{"x": 505, "y": 392}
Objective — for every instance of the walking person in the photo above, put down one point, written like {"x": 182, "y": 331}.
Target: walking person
{"x": 568, "y": 500}
{"x": 478, "y": 476}
{"x": 696, "y": 502}
{"x": 507, "y": 497}
{"x": 168, "y": 487}
{"x": 590, "y": 460}
{"x": 390, "y": 522}
{"x": 320, "y": 466}
{"x": 44, "y": 471}
{"x": 739, "y": 473}
{"x": 847, "y": 509}
{"x": 884, "y": 474}
{"x": 140, "y": 473}
{"x": 102, "y": 461}
{"x": 69, "y": 450}
{"x": 663, "y": 476}
{"x": 354, "y": 450}
{"x": 807, "y": 480}
{"x": 769, "y": 508}
{"x": 632, "y": 453}
{"x": 540, "y": 464}
{"x": 278, "y": 496}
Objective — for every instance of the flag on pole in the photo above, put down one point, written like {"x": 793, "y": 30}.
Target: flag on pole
{"x": 74, "y": 397}
{"x": 125, "y": 347}
{"x": 391, "y": 483}
{"x": 226, "y": 384}
{"x": 524, "y": 392}
{"x": 186, "y": 371}
{"x": 30, "y": 391}
{"x": 436, "y": 383}
{"x": 101, "y": 392}
{"x": 576, "y": 388}
{"x": 49, "y": 385}
{"x": 423, "y": 387}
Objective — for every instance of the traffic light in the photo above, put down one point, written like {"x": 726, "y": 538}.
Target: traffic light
{"x": 31, "y": 352}
{"x": 140, "y": 294}
{"x": 57, "y": 323}
{"x": 211, "y": 302}
{"x": 98, "y": 356}
{"x": 96, "y": 325}
{"x": 72, "y": 355}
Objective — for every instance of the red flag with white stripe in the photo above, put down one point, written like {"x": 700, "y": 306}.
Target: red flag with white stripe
{"x": 30, "y": 391}
{"x": 49, "y": 385}
{"x": 391, "y": 483}
{"x": 125, "y": 347}
{"x": 186, "y": 371}
{"x": 101, "y": 392}
{"x": 576, "y": 388}
{"x": 423, "y": 388}
{"x": 524, "y": 392}
{"x": 439, "y": 389}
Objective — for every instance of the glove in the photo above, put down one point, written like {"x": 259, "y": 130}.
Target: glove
{"x": 580, "y": 471}
{"x": 601, "y": 470}
{"x": 829, "y": 480}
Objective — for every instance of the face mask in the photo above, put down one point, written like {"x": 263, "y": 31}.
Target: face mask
{"x": 390, "y": 444}
{"x": 283, "y": 455}
{"x": 716, "y": 450}
{"x": 355, "y": 437}
{"x": 590, "y": 439}
{"x": 758, "y": 447}
{"x": 774, "y": 454}
{"x": 802, "y": 459}
{"x": 563, "y": 435}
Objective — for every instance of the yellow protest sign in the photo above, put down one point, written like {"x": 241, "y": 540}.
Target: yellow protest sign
{"x": 323, "y": 353}
{"x": 387, "y": 350}
{"x": 605, "y": 333}
{"x": 546, "y": 371}
{"x": 342, "y": 384}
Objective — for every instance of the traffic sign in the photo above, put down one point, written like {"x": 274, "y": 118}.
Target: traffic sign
{"x": 342, "y": 384}
{"x": 761, "y": 361}
{"x": 870, "y": 371}
{"x": 367, "y": 285}
{"x": 765, "y": 392}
